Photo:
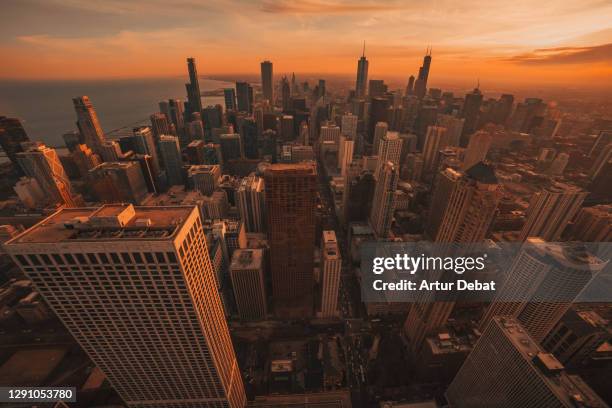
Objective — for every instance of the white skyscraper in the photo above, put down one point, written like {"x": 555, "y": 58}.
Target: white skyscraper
{"x": 435, "y": 140}
{"x": 550, "y": 210}
{"x": 380, "y": 130}
{"x": 540, "y": 286}
{"x": 477, "y": 148}
{"x": 136, "y": 288}
{"x": 508, "y": 368}
{"x": 330, "y": 274}
{"x": 389, "y": 150}
{"x": 345, "y": 153}
{"x": 383, "y": 204}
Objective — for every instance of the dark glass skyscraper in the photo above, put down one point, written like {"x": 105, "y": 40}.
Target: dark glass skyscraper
{"x": 267, "y": 86}
{"x": 362, "y": 75}
{"x": 244, "y": 96}
{"x": 193, "y": 88}
{"x": 420, "y": 85}
{"x": 12, "y": 134}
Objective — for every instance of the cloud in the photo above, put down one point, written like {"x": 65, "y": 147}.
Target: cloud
{"x": 323, "y": 7}
{"x": 565, "y": 55}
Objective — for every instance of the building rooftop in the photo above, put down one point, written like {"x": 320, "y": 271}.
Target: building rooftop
{"x": 247, "y": 259}
{"x": 569, "y": 388}
{"x": 107, "y": 223}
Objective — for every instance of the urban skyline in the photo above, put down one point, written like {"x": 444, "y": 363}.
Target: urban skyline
{"x": 555, "y": 43}
{"x": 218, "y": 254}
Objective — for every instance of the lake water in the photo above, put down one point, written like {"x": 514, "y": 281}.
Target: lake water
{"x": 46, "y": 106}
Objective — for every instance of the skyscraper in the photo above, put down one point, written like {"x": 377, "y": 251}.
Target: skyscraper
{"x": 454, "y": 127}
{"x": 193, "y": 88}
{"x": 550, "y": 210}
{"x": 378, "y": 113}
{"x": 12, "y": 135}
{"x": 142, "y": 301}
{"x": 477, "y": 148}
{"x": 380, "y": 130}
{"x": 205, "y": 177}
{"x": 471, "y": 113}
{"x": 345, "y": 154}
{"x": 267, "y": 84}
{"x": 349, "y": 125}
{"x": 251, "y": 204}
{"x": 470, "y": 207}
{"x": 383, "y": 203}
{"x": 144, "y": 143}
{"x": 247, "y": 274}
{"x": 435, "y": 140}
{"x": 542, "y": 282}
{"x": 362, "y": 75}
{"x": 331, "y": 268}
{"x": 173, "y": 162}
{"x": 43, "y": 164}
{"x": 389, "y": 150}
{"x": 593, "y": 224}
{"x": 160, "y": 125}
{"x": 290, "y": 210}
{"x": 118, "y": 182}
{"x": 285, "y": 94}
{"x": 420, "y": 85}
{"x": 508, "y": 368}
{"x": 244, "y": 97}
{"x": 229, "y": 95}
{"x": 88, "y": 123}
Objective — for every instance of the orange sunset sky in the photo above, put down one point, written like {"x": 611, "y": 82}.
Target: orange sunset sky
{"x": 516, "y": 42}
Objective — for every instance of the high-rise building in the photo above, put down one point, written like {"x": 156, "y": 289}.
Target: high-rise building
{"x": 389, "y": 150}
{"x": 290, "y": 208}
{"x": 141, "y": 301}
{"x": 231, "y": 146}
{"x": 72, "y": 139}
{"x": 251, "y": 204}
{"x": 477, "y": 148}
{"x": 358, "y": 193}
{"x": 508, "y": 368}
{"x": 454, "y": 127}
{"x": 193, "y": 88}
{"x": 229, "y": 95}
{"x": 285, "y": 94}
{"x": 144, "y": 143}
{"x": 244, "y": 97}
{"x": 378, "y": 113}
{"x": 410, "y": 86}
{"x": 173, "y": 163}
{"x": 287, "y": 128}
{"x": 349, "y": 125}
{"x": 377, "y": 88}
{"x": 577, "y": 336}
{"x": 383, "y": 202}
{"x": 345, "y": 154}
{"x": 111, "y": 151}
{"x": 12, "y": 135}
{"x": 541, "y": 284}
{"x": 471, "y": 113}
{"x": 248, "y": 282}
{"x": 330, "y": 132}
{"x": 118, "y": 182}
{"x": 88, "y": 123}
{"x": 29, "y": 192}
{"x": 85, "y": 159}
{"x": 420, "y": 85}
{"x": 558, "y": 165}
{"x": 362, "y": 75}
{"x": 173, "y": 109}
{"x": 331, "y": 269}
{"x": 604, "y": 156}
{"x": 550, "y": 210}
{"x": 380, "y": 130}
{"x": 435, "y": 140}
{"x": 43, "y": 164}
{"x": 469, "y": 205}
{"x": 205, "y": 177}
{"x": 593, "y": 224}
{"x": 267, "y": 84}
{"x": 160, "y": 125}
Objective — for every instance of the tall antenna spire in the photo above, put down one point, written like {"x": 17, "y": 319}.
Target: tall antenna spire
{"x": 363, "y": 54}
